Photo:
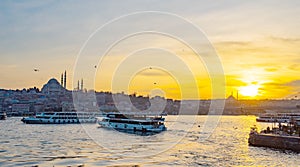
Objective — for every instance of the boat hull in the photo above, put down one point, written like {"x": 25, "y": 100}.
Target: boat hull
{"x": 56, "y": 121}
{"x": 132, "y": 127}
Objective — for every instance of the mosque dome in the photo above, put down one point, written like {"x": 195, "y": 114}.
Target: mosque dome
{"x": 52, "y": 87}
{"x": 53, "y": 81}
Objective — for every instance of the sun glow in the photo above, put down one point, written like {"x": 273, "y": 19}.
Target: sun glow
{"x": 250, "y": 90}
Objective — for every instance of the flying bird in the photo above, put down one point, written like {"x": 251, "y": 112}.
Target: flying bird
{"x": 36, "y": 70}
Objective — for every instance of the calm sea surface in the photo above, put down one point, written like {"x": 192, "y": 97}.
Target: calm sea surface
{"x": 189, "y": 141}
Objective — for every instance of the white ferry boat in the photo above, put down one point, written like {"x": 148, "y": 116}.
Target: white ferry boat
{"x": 61, "y": 118}
{"x": 277, "y": 117}
{"x": 133, "y": 122}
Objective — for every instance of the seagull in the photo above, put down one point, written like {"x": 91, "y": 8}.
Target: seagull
{"x": 95, "y": 66}
{"x": 36, "y": 70}
{"x": 154, "y": 83}
{"x": 150, "y": 68}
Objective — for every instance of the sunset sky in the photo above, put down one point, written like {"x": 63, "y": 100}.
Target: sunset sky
{"x": 257, "y": 43}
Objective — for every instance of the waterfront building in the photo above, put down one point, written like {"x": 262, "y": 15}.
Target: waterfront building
{"x": 21, "y": 109}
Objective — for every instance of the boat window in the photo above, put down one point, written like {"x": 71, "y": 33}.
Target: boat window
{"x": 44, "y": 117}
{"x": 49, "y": 113}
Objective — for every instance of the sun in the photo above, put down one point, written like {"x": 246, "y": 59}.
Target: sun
{"x": 250, "y": 90}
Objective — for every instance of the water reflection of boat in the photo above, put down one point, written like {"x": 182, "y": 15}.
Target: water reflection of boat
{"x": 140, "y": 133}
{"x": 61, "y": 118}
{"x": 133, "y": 122}
{"x": 3, "y": 116}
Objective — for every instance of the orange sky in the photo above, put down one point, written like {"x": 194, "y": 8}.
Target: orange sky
{"x": 256, "y": 43}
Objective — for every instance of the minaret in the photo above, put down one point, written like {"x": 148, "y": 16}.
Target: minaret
{"x": 62, "y": 79}
{"x": 78, "y": 85}
{"x": 65, "y": 80}
{"x": 81, "y": 84}
{"x": 237, "y": 95}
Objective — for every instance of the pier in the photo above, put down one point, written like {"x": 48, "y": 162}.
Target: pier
{"x": 275, "y": 141}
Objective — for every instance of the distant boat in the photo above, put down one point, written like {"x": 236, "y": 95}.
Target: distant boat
{"x": 61, "y": 118}
{"x": 3, "y": 116}
{"x": 133, "y": 122}
{"x": 277, "y": 117}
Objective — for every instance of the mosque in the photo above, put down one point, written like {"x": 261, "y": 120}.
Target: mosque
{"x": 53, "y": 87}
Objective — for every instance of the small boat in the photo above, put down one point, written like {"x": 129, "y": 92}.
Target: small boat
{"x": 133, "y": 122}
{"x": 277, "y": 117}
{"x": 285, "y": 136}
{"x": 3, "y": 116}
{"x": 61, "y": 118}
{"x": 275, "y": 141}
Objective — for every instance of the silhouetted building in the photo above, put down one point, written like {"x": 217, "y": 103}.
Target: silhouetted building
{"x": 53, "y": 88}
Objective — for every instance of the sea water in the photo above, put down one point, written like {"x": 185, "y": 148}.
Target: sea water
{"x": 189, "y": 141}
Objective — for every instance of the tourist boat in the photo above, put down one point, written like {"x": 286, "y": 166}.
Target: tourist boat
{"x": 133, "y": 122}
{"x": 284, "y": 136}
{"x": 3, "y": 116}
{"x": 285, "y": 142}
{"x": 61, "y": 118}
{"x": 277, "y": 117}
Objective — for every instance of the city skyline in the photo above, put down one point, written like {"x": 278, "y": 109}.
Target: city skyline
{"x": 257, "y": 43}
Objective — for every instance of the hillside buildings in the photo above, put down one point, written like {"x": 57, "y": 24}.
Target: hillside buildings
{"x": 55, "y": 96}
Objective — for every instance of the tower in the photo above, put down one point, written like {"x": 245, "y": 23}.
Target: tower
{"x": 78, "y": 85}
{"x": 62, "y": 79}
{"x": 81, "y": 84}
{"x": 65, "y": 80}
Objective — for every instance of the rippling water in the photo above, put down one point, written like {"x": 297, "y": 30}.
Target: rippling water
{"x": 183, "y": 144}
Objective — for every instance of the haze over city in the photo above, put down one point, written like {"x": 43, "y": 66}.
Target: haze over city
{"x": 149, "y": 83}
{"x": 257, "y": 43}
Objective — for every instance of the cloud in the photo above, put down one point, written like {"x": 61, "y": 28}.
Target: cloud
{"x": 233, "y": 43}
{"x": 294, "y": 67}
{"x": 234, "y": 81}
{"x": 284, "y": 39}
{"x": 242, "y": 47}
{"x": 272, "y": 84}
{"x": 294, "y": 83}
{"x": 271, "y": 69}
{"x": 153, "y": 73}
